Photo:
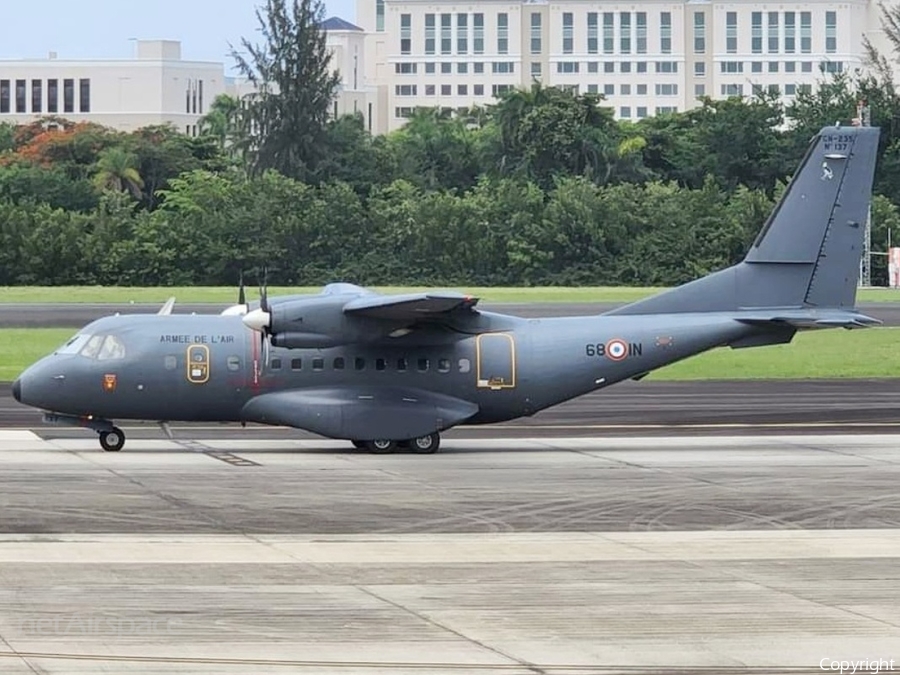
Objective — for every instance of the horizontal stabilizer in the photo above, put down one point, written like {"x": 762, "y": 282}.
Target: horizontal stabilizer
{"x": 810, "y": 319}
{"x": 409, "y": 307}
{"x": 360, "y": 412}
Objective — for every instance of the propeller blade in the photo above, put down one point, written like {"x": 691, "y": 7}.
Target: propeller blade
{"x": 242, "y": 296}
{"x": 264, "y": 290}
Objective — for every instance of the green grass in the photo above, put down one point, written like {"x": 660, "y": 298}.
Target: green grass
{"x": 834, "y": 353}
{"x": 99, "y": 294}
{"x": 820, "y": 354}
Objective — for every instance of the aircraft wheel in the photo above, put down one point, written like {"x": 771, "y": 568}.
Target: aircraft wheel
{"x": 381, "y": 446}
{"x": 426, "y": 445}
{"x": 112, "y": 441}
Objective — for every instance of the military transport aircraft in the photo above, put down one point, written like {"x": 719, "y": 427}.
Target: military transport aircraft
{"x": 389, "y": 370}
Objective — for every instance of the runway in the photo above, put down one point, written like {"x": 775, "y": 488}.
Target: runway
{"x": 549, "y": 554}
{"x": 74, "y": 315}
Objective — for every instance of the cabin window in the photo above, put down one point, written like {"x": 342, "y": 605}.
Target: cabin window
{"x": 339, "y": 363}
{"x": 360, "y": 363}
{"x": 113, "y": 348}
{"x": 380, "y": 364}
{"x": 170, "y": 362}
{"x": 318, "y": 363}
{"x": 423, "y": 365}
{"x": 75, "y": 343}
{"x": 92, "y": 348}
{"x": 296, "y": 364}
{"x": 276, "y": 364}
{"x": 233, "y": 363}
{"x": 444, "y": 365}
{"x": 401, "y": 364}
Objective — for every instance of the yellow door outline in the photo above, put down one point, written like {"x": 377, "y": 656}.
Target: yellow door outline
{"x": 495, "y": 383}
{"x": 197, "y": 368}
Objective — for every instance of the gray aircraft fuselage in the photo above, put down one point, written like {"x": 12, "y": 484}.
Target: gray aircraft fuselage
{"x": 518, "y": 368}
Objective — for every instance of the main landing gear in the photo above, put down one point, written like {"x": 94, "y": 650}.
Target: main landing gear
{"x": 423, "y": 445}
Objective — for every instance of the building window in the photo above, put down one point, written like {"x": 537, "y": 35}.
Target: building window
{"x": 502, "y": 33}
{"x": 641, "y": 111}
{"x": 667, "y": 90}
{"x": 625, "y": 67}
{"x": 406, "y": 33}
{"x": 478, "y": 90}
{"x": 804, "y": 88}
{"x": 4, "y": 96}
{"x": 502, "y": 67}
{"x": 37, "y": 95}
{"x": 625, "y": 90}
{"x": 609, "y": 67}
{"x": 462, "y": 90}
{"x": 731, "y": 26}
{"x": 667, "y": 66}
{"x": 592, "y": 33}
{"x": 68, "y": 96}
{"x": 806, "y": 66}
{"x": 755, "y": 67}
{"x": 462, "y": 68}
{"x": 699, "y": 69}
{"x": 609, "y": 34}
{"x": 593, "y": 67}
{"x": 567, "y": 67}
{"x": 699, "y": 32}
{"x": 429, "y": 90}
{"x": 200, "y": 94}
{"x": 732, "y": 66}
{"x": 405, "y": 90}
{"x": 773, "y": 66}
{"x": 642, "y": 90}
{"x": 535, "y": 68}
{"x": 609, "y": 89}
{"x": 568, "y": 32}
{"x": 478, "y": 33}
{"x": 830, "y": 32}
{"x": 405, "y": 68}
{"x": 500, "y": 89}
{"x": 430, "y": 34}
{"x": 446, "y": 68}
{"x": 756, "y": 32}
{"x": 665, "y": 32}
{"x": 429, "y": 68}
{"x": 593, "y": 89}
{"x": 774, "y": 37}
{"x": 805, "y": 32}
{"x": 52, "y": 96}
{"x": 790, "y": 66}
{"x": 625, "y": 112}
{"x": 699, "y": 90}
{"x": 790, "y": 89}
{"x": 462, "y": 33}
{"x": 21, "y": 96}
{"x": 641, "y": 19}
{"x": 446, "y": 89}
{"x": 625, "y": 32}
{"x": 832, "y": 66}
{"x": 446, "y": 33}
{"x": 790, "y": 31}
{"x": 536, "y": 33}
{"x": 666, "y": 109}
{"x": 732, "y": 90}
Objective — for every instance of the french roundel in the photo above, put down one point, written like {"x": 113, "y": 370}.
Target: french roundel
{"x": 616, "y": 349}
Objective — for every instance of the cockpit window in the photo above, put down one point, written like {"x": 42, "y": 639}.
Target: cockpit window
{"x": 74, "y": 344}
{"x": 112, "y": 348}
{"x": 102, "y": 347}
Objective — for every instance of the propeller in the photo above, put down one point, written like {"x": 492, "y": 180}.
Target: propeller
{"x": 242, "y": 296}
{"x": 260, "y": 319}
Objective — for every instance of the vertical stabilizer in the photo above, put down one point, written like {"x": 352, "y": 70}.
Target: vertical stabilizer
{"x": 807, "y": 253}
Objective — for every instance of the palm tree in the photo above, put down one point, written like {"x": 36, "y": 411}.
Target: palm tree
{"x": 222, "y": 122}
{"x": 117, "y": 169}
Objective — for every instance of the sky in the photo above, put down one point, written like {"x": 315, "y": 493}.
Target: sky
{"x": 100, "y": 29}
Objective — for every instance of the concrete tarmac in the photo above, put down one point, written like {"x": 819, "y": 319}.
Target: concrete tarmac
{"x": 72, "y": 315}
{"x": 552, "y": 555}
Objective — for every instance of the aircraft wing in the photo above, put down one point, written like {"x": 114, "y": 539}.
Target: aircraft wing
{"x": 360, "y": 412}
{"x": 409, "y": 307}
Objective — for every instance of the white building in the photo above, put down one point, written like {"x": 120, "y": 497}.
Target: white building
{"x": 155, "y": 87}
{"x": 645, "y": 58}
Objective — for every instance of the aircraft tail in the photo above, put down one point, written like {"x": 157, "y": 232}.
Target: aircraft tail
{"x": 807, "y": 254}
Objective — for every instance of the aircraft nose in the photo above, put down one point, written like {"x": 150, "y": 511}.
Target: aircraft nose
{"x": 17, "y": 390}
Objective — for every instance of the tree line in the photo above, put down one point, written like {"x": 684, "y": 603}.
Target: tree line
{"x": 543, "y": 186}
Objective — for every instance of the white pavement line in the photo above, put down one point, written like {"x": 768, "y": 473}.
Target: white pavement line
{"x": 452, "y": 548}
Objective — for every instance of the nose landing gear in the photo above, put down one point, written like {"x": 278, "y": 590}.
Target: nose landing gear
{"x": 113, "y": 440}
